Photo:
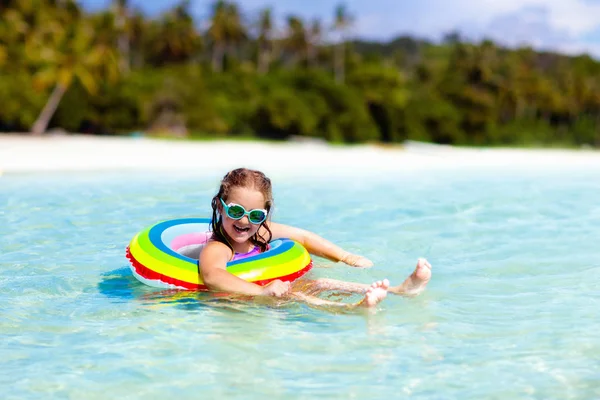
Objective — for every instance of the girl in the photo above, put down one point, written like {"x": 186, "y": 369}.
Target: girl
{"x": 235, "y": 237}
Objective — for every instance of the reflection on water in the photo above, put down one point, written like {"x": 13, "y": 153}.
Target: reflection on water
{"x": 120, "y": 284}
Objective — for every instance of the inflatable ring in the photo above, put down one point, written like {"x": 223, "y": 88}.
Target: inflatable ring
{"x": 156, "y": 257}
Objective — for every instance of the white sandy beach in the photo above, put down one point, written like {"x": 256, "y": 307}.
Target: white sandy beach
{"x": 22, "y": 153}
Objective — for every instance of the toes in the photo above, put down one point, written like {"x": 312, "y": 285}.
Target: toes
{"x": 381, "y": 284}
{"x": 379, "y": 295}
{"x": 375, "y": 295}
{"x": 369, "y": 300}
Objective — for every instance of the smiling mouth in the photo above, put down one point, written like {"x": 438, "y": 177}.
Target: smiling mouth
{"x": 240, "y": 229}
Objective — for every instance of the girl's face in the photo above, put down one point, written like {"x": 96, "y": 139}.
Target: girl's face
{"x": 242, "y": 230}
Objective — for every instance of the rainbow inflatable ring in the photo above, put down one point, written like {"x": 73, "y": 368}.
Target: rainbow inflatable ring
{"x": 157, "y": 258}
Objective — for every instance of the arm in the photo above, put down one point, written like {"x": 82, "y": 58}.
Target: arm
{"x": 317, "y": 245}
{"x": 213, "y": 270}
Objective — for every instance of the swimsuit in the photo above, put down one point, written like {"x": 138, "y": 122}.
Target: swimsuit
{"x": 253, "y": 252}
{"x": 194, "y": 250}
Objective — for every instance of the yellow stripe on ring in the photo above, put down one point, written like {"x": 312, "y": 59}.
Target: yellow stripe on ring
{"x": 162, "y": 267}
{"x": 274, "y": 271}
{"x": 257, "y": 273}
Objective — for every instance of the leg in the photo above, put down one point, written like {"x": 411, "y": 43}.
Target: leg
{"x": 375, "y": 293}
{"x": 317, "y": 286}
{"x": 412, "y": 286}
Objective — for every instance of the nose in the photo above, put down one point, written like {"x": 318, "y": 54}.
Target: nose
{"x": 245, "y": 219}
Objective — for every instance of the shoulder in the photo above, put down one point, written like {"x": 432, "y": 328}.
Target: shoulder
{"x": 215, "y": 253}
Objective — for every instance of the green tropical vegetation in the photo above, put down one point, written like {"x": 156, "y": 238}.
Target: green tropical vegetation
{"x": 242, "y": 73}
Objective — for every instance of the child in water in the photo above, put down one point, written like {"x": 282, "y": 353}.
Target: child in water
{"x": 238, "y": 237}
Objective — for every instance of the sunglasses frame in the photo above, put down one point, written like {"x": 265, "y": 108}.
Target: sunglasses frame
{"x": 246, "y": 212}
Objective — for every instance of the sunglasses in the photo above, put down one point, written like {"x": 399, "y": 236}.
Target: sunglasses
{"x": 236, "y": 212}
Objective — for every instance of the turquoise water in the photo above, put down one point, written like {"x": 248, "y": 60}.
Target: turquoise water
{"x": 511, "y": 311}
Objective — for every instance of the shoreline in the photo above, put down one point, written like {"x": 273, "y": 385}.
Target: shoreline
{"x": 74, "y": 152}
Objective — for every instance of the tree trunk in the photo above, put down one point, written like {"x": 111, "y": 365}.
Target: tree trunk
{"x": 339, "y": 62}
{"x": 40, "y": 125}
{"x": 292, "y": 59}
{"x": 137, "y": 59}
{"x": 263, "y": 61}
{"x": 125, "y": 59}
{"x": 311, "y": 52}
{"x": 232, "y": 54}
{"x": 123, "y": 42}
{"x": 217, "y": 58}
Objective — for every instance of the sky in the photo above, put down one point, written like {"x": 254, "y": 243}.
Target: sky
{"x": 568, "y": 26}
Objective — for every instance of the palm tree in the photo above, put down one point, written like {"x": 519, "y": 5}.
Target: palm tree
{"x": 63, "y": 54}
{"x": 265, "y": 26}
{"x": 121, "y": 18}
{"x": 218, "y": 34}
{"x": 341, "y": 24}
{"x": 138, "y": 37}
{"x": 296, "y": 41}
{"x": 236, "y": 31}
{"x": 314, "y": 41}
{"x": 18, "y": 19}
{"x": 6, "y": 32}
{"x": 226, "y": 31}
{"x": 176, "y": 37}
{"x": 3, "y": 45}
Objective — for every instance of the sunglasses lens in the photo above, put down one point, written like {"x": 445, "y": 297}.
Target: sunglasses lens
{"x": 236, "y": 212}
{"x": 257, "y": 216}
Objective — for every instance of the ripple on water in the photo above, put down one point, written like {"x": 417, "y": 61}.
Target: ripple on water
{"x": 510, "y": 312}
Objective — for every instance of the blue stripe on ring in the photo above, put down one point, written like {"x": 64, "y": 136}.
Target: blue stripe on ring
{"x": 155, "y": 237}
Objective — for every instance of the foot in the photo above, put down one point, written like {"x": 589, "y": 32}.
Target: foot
{"x": 375, "y": 293}
{"x": 416, "y": 282}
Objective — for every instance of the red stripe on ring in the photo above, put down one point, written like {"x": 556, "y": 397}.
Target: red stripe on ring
{"x": 147, "y": 273}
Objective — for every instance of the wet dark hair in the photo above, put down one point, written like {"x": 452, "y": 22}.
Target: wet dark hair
{"x": 248, "y": 179}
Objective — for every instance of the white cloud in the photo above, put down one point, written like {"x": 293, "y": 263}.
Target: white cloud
{"x": 549, "y": 24}
{"x": 574, "y": 16}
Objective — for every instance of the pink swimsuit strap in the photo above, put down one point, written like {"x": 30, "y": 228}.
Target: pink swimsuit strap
{"x": 253, "y": 252}
{"x": 239, "y": 256}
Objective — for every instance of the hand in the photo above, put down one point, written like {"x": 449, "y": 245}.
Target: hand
{"x": 276, "y": 288}
{"x": 354, "y": 260}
